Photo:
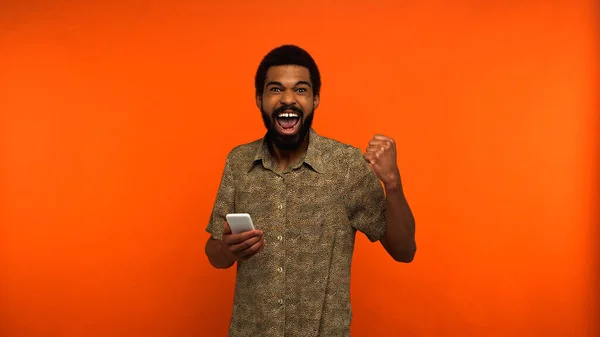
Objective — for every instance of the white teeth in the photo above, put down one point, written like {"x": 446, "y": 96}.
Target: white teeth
{"x": 288, "y": 115}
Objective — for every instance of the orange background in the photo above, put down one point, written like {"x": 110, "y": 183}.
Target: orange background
{"x": 116, "y": 120}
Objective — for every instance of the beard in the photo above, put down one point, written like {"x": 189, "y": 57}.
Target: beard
{"x": 287, "y": 142}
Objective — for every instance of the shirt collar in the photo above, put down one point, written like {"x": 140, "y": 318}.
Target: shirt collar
{"x": 312, "y": 157}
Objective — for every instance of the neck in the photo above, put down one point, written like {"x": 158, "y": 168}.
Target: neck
{"x": 286, "y": 158}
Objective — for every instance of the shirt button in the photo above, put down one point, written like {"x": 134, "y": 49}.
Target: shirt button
{"x": 280, "y": 206}
{"x": 279, "y": 237}
{"x": 280, "y": 301}
{"x": 279, "y": 269}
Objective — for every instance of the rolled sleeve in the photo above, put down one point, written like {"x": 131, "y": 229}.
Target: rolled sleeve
{"x": 224, "y": 202}
{"x": 366, "y": 199}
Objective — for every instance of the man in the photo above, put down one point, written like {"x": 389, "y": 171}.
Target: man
{"x": 307, "y": 196}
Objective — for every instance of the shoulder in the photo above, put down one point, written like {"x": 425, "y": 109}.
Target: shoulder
{"x": 340, "y": 155}
{"x": 246, "y": 149}
{"x": 242, "y": 155}
{"x": 335, "y": 146}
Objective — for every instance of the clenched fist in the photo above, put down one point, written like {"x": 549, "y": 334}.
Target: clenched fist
{"x": 381, "y": 154}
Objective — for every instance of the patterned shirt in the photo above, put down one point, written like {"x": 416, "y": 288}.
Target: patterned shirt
{"x": 299, "y": 284}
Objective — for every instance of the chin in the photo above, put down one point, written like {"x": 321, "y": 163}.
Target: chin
{"x": 287, "y": 141}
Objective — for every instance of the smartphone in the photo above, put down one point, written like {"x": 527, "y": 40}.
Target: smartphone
{"x": 239, "y": 222}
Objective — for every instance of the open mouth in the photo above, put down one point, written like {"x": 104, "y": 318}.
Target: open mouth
{"x": 288, "y": 122}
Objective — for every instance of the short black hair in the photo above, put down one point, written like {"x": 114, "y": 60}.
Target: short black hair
{"x": 287, "y": 54}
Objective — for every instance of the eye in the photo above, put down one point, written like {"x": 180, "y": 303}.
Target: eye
{"x": 274, "y": 89}
{"x": 301, "y": 90}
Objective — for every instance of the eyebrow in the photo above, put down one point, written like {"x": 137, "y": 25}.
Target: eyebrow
{"x": 281, "y": 85}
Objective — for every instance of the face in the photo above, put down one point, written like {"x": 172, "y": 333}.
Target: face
{"x": 287, "y": 105}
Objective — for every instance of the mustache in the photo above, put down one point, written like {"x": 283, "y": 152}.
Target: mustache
{"x": 287, "y": 108}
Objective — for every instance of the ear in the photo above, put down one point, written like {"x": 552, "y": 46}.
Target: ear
{"x": 258, "y": 101}
{"x": 316, "y": 100}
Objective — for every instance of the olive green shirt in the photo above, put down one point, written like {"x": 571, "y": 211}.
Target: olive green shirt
{"x": 299, "y": 284}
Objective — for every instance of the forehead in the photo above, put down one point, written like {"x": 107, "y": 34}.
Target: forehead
{"x": 287, "y": 74}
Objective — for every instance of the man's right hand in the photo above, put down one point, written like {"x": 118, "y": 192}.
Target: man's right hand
{"x": 242, "y": 246}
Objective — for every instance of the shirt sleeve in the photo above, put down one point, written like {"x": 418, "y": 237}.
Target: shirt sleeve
{"x": 224, "y": 202}
{"x": 366, "y": 199}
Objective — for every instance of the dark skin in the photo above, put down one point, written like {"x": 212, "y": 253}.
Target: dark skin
{"x": 291, "y": 85}
{"x": 285, "y": 86}
{"x": 399, "y": 239}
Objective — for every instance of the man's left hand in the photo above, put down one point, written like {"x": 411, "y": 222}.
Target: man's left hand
{"x": 381, "y": 154}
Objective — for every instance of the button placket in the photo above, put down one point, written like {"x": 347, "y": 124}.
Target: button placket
{"x": 280, "y": 206}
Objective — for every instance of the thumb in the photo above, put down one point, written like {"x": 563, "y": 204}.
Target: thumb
{"x": 226, "y": 228}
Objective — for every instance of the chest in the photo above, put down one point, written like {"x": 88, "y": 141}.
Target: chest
{"x": 296, "y": 202}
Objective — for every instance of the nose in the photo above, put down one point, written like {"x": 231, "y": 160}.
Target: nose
{"x": 288, "y": 97}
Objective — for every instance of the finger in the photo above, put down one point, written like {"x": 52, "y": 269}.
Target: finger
{"x": 233, "y": 239}
{"x": 240, "y": 247}
{"x": 383, "y": 142}
{"x": 264, "y": 243}
{"x": 382, "y": 137}
{"x": 387, "y": 142}
{"x": 252, "y": 250}
{"x": 375, "y": 142}
{"x": 369, "y": 157}
{"x": 374, "y": 153}
{"x": 373, "y": 148}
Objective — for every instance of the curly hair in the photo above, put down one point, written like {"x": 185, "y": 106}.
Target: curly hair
{"x": 287, "y": 55}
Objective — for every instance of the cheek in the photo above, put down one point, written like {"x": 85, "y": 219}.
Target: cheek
{"x": 307, "y": 104}
{"x": 308, "y": 107}
{"x": 267, "y": 106}
{"x": 264, "y": 108}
